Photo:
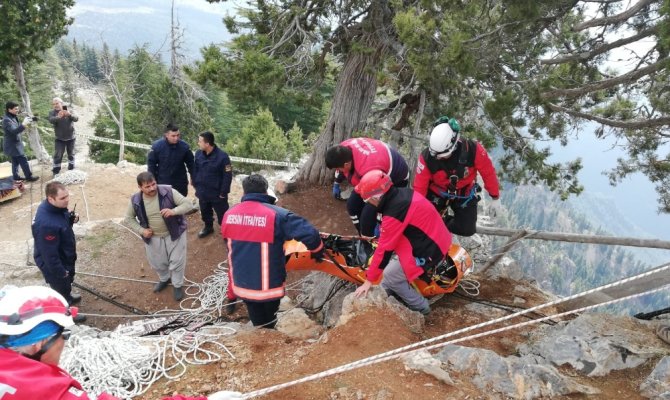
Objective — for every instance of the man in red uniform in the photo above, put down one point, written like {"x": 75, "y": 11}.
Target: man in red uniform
{"x": 352, "y": 159}
{"x": 33, "y": 322}
{"x": 446, "y": 175}
{"x": 412, "y": 239}
{"x": 255, "y": 230}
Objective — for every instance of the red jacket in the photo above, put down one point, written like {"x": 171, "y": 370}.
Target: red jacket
{"x": 22, "y": 378}
{"x": 412, "y": 228}
{"x": 470, "y": 157}
{"x": 369, "y": 154}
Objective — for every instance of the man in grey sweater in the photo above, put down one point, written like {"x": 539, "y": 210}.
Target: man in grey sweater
{"x": 62, "y": 118}
{"x": 156, "y": 213}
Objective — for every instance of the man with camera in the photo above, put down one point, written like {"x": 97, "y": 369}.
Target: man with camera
{"x": 61, "y": 118}
{"x": 55, "y": 246}
{"x": 12, "y": 144}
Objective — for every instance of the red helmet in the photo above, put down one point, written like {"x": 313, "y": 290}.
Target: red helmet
{"x": 22, "y": 309}
{"x": 373, "y": 184}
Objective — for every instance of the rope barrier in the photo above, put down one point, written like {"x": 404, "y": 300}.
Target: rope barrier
{"x": 420, "y": 345}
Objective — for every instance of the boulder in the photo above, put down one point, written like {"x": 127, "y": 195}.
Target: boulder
{"x": 595, "y": 344}
{"x": 527, "y": 377}
{"x": 657, "y": 384}
{"x": 297, "y": 324}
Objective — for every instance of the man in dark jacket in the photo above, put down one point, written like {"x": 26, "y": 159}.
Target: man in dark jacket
{"x": 212, "y": 175}
{"x": 12, "y": 144}
{"x": 62, "y": 118}
{"x": 256, "y": 230}
{"x": 156, "y": 213}
{"x": 169, "y": 158}
{"x": 353, "y": 158}
{"x": 55, "y": 246}
{"x": 413, "y": 239}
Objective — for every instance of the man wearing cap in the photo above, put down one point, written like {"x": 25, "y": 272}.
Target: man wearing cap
{"x": 33, "y": 330}
{"x": 255, "y": 230}
{"x": 413, "y": 239}
{"x": 55, "y": 250}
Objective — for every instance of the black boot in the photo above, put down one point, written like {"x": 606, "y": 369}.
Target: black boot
{"x": 207, "y": 230}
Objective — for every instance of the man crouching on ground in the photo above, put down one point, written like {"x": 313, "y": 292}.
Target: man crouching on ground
{"x": 156, "y": 213}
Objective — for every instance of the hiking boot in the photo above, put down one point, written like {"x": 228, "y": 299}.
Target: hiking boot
{"x": 178, "y": 293}
{"x": 160, "y": 286}
{"x": 79, "y": 319}
{"x": 425, "y": 311}
{"x": 33, "y": 178}
{"x": 663, "y": 332}
{"x": 207, "y": 230}
{"x": 76, "y": 298}
{"x": 230, "y": 307}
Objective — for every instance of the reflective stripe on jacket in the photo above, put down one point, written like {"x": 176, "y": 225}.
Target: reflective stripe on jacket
{"x": 255, "y": 231}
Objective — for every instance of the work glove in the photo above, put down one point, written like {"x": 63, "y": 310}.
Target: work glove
{"x": 318, "y": 255}
{"x": 225, "y": 395}
{"x": 337, "y": 193}
{"x": 27, "y": 121}
{"x": 494, "y": 208}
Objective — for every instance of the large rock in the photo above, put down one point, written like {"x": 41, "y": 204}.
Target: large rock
{"x": 596, "y": 344}
{"x": 324, "y": 294}
{"x": 657, "y": 384}
{"x": 514, "y": 377}
{"x": 377, "y": 297}
{"x": 297, "y": 324}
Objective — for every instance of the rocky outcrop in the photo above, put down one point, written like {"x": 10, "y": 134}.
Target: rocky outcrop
{"x": 596, "y": 344}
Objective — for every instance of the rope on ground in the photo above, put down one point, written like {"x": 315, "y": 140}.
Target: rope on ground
{"x": 126, "y": 367}
{"x": 419, "y": 346}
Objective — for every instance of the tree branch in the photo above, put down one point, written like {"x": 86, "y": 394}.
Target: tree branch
{"x": 607, "y": 83}
{"x": 600, "y": 49}
{"x": 614, "y": 18}
{"x": 649, "y": 123}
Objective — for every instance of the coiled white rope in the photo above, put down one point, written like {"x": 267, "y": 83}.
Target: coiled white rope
{"x": 422, "y": 345}
{"x": 126, "y": 367}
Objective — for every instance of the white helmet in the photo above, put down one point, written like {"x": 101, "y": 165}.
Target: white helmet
{"x": 22, "y": 309}
{"x": 443, "y": 141}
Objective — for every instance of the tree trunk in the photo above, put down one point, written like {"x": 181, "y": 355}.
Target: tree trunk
{"x": 122, "y": 130}
{"x": 355, "y": 91}
{"x": 33, "y": 136}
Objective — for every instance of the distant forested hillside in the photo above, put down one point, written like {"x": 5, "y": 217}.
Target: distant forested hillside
{"x": 569, "y": 268}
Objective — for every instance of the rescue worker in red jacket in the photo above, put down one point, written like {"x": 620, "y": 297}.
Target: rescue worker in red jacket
{"x": 352, "y": 159}
{"x": 446, "y": 174}
{"x": 255, "y": 230}
{"x": 33, "y": 323}
{"x": 412, "y": 241}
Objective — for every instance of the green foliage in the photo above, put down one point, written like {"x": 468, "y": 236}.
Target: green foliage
{"x": 153, "y": 99}
{"x": 262, "y": 138}
{"x": 28, "y": 28}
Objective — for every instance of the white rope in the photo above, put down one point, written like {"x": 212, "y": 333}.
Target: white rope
{"x": 420, "y": 345}
{"x": 126, "y": 367}
{"x": 469, "y": 286}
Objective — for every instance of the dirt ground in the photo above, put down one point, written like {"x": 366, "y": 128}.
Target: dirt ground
{"x": 267, "y": 357}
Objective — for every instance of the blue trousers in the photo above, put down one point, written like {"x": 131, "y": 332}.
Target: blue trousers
{"x": 208, "y": 207}
{"x": 21, "y": 161}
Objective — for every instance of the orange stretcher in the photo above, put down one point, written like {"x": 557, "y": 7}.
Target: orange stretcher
{"x": 347, "y": 257}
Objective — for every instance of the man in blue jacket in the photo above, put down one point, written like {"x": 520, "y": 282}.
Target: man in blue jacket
{"x": 12, "y": 144}
{"x": 55, "y": 246}
{"x": 212, "y": 175}
{"x": 169, "y": 158}
{"x": 256, "y": 230}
